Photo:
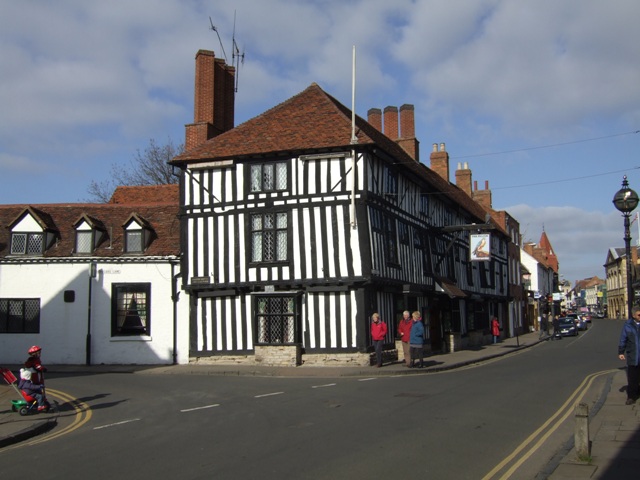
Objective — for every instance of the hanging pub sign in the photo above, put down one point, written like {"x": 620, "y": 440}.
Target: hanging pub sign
{"x": 480, "y": 246}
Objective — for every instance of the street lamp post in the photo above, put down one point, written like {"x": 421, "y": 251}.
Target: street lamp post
{"x": 626, "y": 200}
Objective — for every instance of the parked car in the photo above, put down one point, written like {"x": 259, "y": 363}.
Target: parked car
{"x": 579, "y": 320}
{"x": 568, "y": 327}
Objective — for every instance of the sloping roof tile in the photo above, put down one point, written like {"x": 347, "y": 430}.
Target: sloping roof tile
{"x": 314, "y": 121}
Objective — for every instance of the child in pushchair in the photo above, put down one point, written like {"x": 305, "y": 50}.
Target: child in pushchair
{"x": 33, "y": 393}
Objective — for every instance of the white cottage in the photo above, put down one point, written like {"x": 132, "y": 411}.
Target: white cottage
{"x": 93, "y": 283}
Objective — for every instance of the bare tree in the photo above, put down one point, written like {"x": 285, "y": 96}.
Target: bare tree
{"x": 150, "y": 167}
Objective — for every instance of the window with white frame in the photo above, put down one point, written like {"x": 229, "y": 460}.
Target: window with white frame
{"x": 269, "y": 233}
{"x": 130, "y": 312}
{"x": 19, "y": 315}
{"x": 268, "y": 177}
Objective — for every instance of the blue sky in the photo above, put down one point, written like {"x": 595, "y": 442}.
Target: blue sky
{"x": 540, "y": 97}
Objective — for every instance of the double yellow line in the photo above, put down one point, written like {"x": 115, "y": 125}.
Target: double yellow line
{"x": 560, "y": 416}
{"x": 82, "y": 415}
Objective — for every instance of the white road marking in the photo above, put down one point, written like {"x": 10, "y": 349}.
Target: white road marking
{"x": 199, "y": 408}
{"x": 323, "y": 386}
{"x": 117, "y": 423}
{"x": 366, "y": 379}
{"x": 269, "y": 394}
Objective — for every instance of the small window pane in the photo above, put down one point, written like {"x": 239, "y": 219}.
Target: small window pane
{"x": 267, "y": 174}
{"x": 134, "y": 241}
{"x": 35, "y": 243}
{"x": 256, "y": 178}
{"x": 84, "y": 242}
{"x": 282, "y": 220}
{"x": 281, "y": 176}
{"x": 282, "y": 246}
{"x": 257, "y": 247}
{"x": 19, "y": 243}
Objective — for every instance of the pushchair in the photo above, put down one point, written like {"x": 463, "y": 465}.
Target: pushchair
{"x": 26, "y": 404}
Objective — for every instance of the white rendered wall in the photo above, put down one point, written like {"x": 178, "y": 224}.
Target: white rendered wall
{"x": 63, "y": 326}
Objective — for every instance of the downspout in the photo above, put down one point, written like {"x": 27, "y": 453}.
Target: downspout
{"x": 175, "y": 295}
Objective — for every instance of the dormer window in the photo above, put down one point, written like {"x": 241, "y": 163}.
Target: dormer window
{"x": 89, "y": 234}
{"x": 27, "y": 243}
{"x": 133, "y": 241}
{"x": 32, "y": 232}
{"x": 137, "y": 234}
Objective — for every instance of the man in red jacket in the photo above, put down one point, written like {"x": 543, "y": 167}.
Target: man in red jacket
{"x": 404, "y": 331}
{"x": 378, "y": 334}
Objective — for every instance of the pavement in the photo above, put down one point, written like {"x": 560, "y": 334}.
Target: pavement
{"x": 614, "y": 427}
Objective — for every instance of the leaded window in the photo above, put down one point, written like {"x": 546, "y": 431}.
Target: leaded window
{"x": 268, "y": 177}
{"x": 27, "y": 243}
{"x": 19, "y": 315}
{"x": 269, "y": 232}
{"x": 391, "y": 240}
{"x": 276, "y": 319}
{"x": 133, "y": 241}
{"x": 84, "y": 241}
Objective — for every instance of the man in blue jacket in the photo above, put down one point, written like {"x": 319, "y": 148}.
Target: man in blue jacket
{"x": 629, "y": 350}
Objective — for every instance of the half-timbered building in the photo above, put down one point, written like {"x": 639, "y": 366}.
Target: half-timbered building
{"x": 300, "y": 223}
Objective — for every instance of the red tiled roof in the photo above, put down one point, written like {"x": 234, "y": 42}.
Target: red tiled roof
{"x": 147, "y": 194}
{"x": 162, "y": 218}
{"x": 314, "y": 121}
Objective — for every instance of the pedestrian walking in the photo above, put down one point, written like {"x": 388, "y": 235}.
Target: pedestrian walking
{"x": 544, "y": 325}
{"x": 495, "y": 329}
{"x": 404, "y": 330}
{"x": 378, "y": 334}
{"x": 416, "y": 341}
{"x": 556, "y": 328}
{"x": 629, "y": 350}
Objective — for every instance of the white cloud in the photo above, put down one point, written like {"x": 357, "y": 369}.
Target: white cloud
{"x": 580, "y": 238}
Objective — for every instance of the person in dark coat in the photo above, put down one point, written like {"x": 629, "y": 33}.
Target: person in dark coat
{"x": 556, "y": 328}
{"x": 31, "y": 389}
{"x": 544, "y": 325}
{"x": 629, "y": 350}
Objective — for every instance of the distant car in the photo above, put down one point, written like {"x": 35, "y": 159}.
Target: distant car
{"x": 579, "y": 320}
{"x": 600, "y": 314}
{"x": 586, "y": 317}
{"x": 568, "y": 327}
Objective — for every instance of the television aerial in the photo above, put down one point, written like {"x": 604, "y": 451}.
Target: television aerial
{"x": 237, "y": 58}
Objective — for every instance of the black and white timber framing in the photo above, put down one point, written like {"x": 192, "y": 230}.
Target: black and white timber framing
{"x": 359, "y": 230}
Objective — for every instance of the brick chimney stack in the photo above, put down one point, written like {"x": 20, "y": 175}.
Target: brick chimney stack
{"x": 391, "y": 122}
{"x": 483, "y": 197}
{"x": 440, "y": 161}
{"x": 374, "y": 117}
{"x": 463, "y": 178}
{"x": 214, "y": 101}
{"x": 408, "y": 140}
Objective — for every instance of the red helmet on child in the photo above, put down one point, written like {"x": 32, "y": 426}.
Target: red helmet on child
{"x": 34, "y": 349}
